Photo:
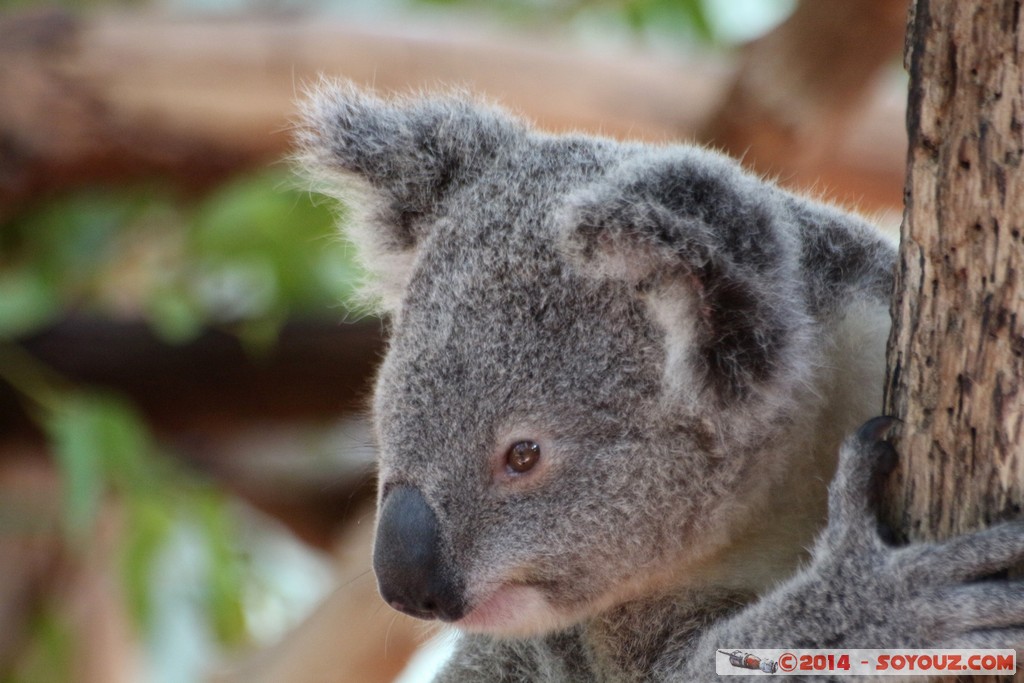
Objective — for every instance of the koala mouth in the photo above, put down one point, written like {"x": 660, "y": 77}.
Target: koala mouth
{"x": 511, "y": 610}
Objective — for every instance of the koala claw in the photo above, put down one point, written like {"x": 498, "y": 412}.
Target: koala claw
{"x": 877, "y": 428}
{"x": 865, "y": 460}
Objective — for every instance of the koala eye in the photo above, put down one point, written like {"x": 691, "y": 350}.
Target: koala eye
{"x": 523, "y": 456}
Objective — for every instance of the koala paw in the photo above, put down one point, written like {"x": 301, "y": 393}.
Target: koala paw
{"x": 865, "y": 460}
{"x": 945, "y": 594}
{"x": 859, "y": 591}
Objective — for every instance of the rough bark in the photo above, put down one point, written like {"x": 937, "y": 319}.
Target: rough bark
{"x": 956, "y": 353}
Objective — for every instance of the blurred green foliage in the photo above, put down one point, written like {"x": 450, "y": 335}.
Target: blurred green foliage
{"x": 48, "y": 655}
{"x": 103, "y": 448}
{"x": 245, "y": 258}
{"x": 687, "y": 19}
{"x": 681, "y": 18}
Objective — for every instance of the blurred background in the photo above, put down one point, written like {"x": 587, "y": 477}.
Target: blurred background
{"x": 185, "y": 469}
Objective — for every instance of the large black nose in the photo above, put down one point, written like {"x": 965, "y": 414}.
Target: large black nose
{"x": 412, "y": 572}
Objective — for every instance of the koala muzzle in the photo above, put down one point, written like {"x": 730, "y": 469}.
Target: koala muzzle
{"x": 409, "y": 560}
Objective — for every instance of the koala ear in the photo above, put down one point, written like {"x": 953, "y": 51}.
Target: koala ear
{"x": 396, "y": 162}
{"x": 713, "y": 252}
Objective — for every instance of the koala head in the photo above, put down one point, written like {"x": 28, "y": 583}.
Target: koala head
{"x": 590, "y": 343}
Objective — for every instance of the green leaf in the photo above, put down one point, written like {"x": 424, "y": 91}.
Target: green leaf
{"x": 226, "y": 570}
{"x": 99, "y": 443}
{"x": 174, "y": 315}
{"x": 269, "y": 242}
{"x": 681, "y": 18}
{"x": 149, "y": 523}
{"x": 129, "y": 457}
{"x": 696, "y": 15}
{"x": 47, "y": 654}
{"x": 73, "y": 431}
{"x": 27, "y": 301}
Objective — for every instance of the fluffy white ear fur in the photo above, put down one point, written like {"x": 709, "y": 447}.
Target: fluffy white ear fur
{"x": 334, "y": 152}
{"x": 622, "y": 249}
{"x": 386, "y": 264}
{"x": 394, "y": 162}
{"x": 711, "y": 252}
{"x": 614, "y": 247}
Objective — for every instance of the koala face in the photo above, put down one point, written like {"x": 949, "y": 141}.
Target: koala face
{"x": 509, "y": 390}
{"x": 590, "y": 340}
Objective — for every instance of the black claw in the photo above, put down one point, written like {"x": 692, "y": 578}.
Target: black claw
{"x": 886, "y": 532}
{"x": 877, "y": 428}
{"x": 883, "y": 461}
{"x": 886, "y": 459}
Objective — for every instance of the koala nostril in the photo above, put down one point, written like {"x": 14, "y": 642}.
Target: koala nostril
{"x": 427, "y": 609}
{"x": 409, "y": 559}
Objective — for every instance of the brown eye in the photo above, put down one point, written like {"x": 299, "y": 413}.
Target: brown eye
{"x": 523, "y": 456}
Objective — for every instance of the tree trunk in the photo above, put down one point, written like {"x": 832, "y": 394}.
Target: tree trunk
{"x": 956, "y": 353}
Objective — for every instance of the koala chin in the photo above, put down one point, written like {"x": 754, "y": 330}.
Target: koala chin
{"x": 512, "y": 611}
{"x": 616, "y": 385}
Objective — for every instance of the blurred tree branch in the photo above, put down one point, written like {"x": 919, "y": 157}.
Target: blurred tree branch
{"x": 201, "y": 395}
{"x": 801, "y": 87}
{"x": 116, "y": 97}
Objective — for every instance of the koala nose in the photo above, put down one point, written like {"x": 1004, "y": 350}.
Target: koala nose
{"x": 408, "y": 558}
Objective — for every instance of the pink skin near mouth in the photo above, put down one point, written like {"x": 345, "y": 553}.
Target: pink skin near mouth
{"x": 508, "y": 610}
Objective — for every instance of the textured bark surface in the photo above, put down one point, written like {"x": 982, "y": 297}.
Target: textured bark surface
{"x": 956, "y": 354}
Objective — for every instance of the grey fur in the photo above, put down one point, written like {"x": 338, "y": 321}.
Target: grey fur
{"x": 687, "y": 344}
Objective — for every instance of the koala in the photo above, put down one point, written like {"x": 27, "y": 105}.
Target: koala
{"x": 616, "y": 385}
